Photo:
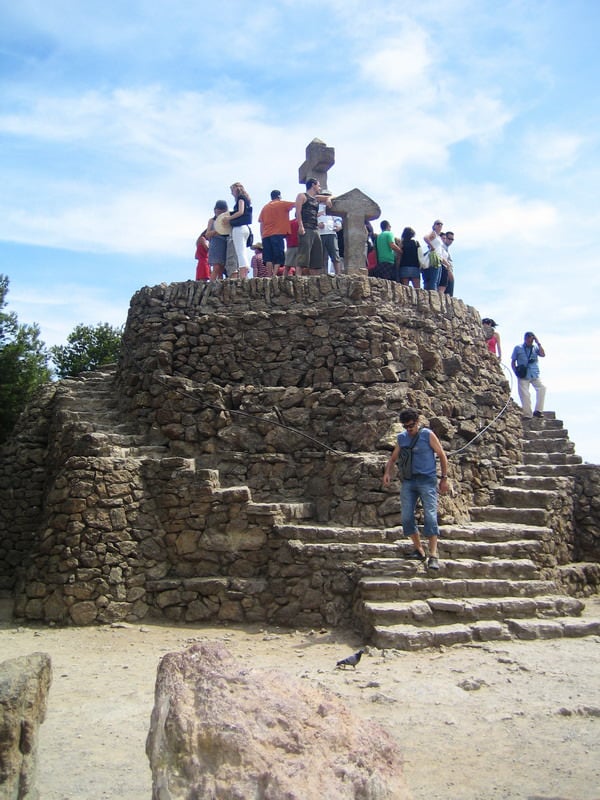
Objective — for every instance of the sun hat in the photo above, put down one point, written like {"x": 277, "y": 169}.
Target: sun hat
{"x": 222, "y": 224}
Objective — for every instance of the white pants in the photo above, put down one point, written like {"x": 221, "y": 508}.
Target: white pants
{"x": 525, "y": 398}
{"x": 240, "y": 237}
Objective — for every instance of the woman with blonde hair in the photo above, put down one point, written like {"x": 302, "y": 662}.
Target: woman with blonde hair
{"x": 240, "y": 219}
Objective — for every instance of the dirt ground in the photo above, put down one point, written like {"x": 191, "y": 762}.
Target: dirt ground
{"x": 483, "y": 722}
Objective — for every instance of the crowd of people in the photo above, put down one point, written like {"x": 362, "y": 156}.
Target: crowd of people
{"x": 305, "y": 244}
{"x": 404, "y": 260}
{"x": 311, "y": 242}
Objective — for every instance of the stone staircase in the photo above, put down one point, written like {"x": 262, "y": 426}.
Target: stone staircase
{"x": 87, "y": 413}
{"x": 496, "y": 576}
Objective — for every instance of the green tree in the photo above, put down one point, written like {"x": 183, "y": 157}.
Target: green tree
{"x": 88, "y": 348}
{"x": 23, "y": 363}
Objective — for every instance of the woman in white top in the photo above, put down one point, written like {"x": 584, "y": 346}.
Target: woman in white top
{"x": 431, "y": 276}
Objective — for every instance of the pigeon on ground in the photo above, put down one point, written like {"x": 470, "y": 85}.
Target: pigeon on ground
{"x": 351, "y": 661}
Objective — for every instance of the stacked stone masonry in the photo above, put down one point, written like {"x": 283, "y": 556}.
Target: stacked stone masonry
{"x": 180, "y": 483}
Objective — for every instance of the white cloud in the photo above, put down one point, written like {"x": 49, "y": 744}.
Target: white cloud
{"x": 401, "y": 63}
{"x": 552, "y": 151}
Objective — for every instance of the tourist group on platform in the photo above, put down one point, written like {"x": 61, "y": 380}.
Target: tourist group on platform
{"x": 311, "y": 242}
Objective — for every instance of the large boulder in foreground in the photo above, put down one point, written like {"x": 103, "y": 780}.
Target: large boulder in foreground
{"x": 224, "y": 731}
{"x": 24, "y": 685}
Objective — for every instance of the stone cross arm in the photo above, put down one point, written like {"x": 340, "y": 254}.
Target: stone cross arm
{"x": 356, "y": 203}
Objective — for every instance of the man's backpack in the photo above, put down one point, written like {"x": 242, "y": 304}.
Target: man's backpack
{"x": 405, "y": 458}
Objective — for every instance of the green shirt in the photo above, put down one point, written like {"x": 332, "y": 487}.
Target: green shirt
{"x": 385, "y": 254}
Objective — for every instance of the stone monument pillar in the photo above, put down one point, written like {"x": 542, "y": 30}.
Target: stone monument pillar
{"x": 354, "y": 207}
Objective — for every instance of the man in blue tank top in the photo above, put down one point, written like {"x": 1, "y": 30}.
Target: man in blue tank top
{"x": 422, "y": 483}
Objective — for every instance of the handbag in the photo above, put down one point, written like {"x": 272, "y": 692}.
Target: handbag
{"x": 434, "y": 260}
{"x": 250, "y": 240}
{"x": 521, "y": 370}
{"x": 423, "y": 259}
{"x": 405, "y": 458}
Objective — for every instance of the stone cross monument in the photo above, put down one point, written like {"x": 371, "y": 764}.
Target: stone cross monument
{"x": 354, "y": 207}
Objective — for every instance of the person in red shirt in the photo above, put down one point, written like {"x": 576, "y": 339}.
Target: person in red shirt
{"x": 202, "y": 268}
{"x": 291, "y": 253}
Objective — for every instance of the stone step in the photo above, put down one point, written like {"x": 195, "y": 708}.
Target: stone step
{"x": 545, "y": 433}
{"x": 526, "y": 481}
{"x": 382, "y": 588}
{"x": 459, "y": 557}
{"x": 336, "y": 534}
{"x": 547, "y": 422}
{"x": 410, "y": 637}
{"x": 547, "y": 470}
{"x": 513, "y": 548}
{"x": 154, "y": 452}
{"x": 526, "y": 516}
{"x": 549, "y": 446}
{"x": 493, "y": 532}
{"x": 467, "y": 568}
{"x": 553, "y": 628}
{"x": 283, "y": 511}
{"x": 441, "y": 611}
{"x": 550, "y": 458}
{"x": 517, "y": 498}
{"x": 362, "y": 552}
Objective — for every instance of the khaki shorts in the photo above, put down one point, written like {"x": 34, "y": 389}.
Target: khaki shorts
{"x": 310, "y": 250}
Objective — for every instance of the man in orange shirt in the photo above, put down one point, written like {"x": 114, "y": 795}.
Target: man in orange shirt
{"x": 274, "y": 222}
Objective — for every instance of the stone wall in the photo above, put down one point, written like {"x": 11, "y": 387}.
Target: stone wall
{"x": 161, "y": 488}
{"x": 587, "y": 512}
{"x": 218, "y": 369}
{"x": 23, "y": 477}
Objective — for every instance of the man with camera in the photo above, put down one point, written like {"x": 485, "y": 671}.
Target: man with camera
{"x": 524, "y": 362}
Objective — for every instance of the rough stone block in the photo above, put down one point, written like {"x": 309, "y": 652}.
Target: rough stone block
{"x": 220, "y": 729}
{"x": 24, "y": 686}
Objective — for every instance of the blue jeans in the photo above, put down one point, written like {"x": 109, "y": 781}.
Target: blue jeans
{"x": 431, "y": 277}
{"x": 425, "y": 487}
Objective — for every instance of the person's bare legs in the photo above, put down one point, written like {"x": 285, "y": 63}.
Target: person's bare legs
{"x": 432, "y": 542}
{"x": 217, "y": 272}
{"x": 416, "y": 540}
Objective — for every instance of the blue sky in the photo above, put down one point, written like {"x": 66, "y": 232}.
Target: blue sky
{"x": 122, "y": 123}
